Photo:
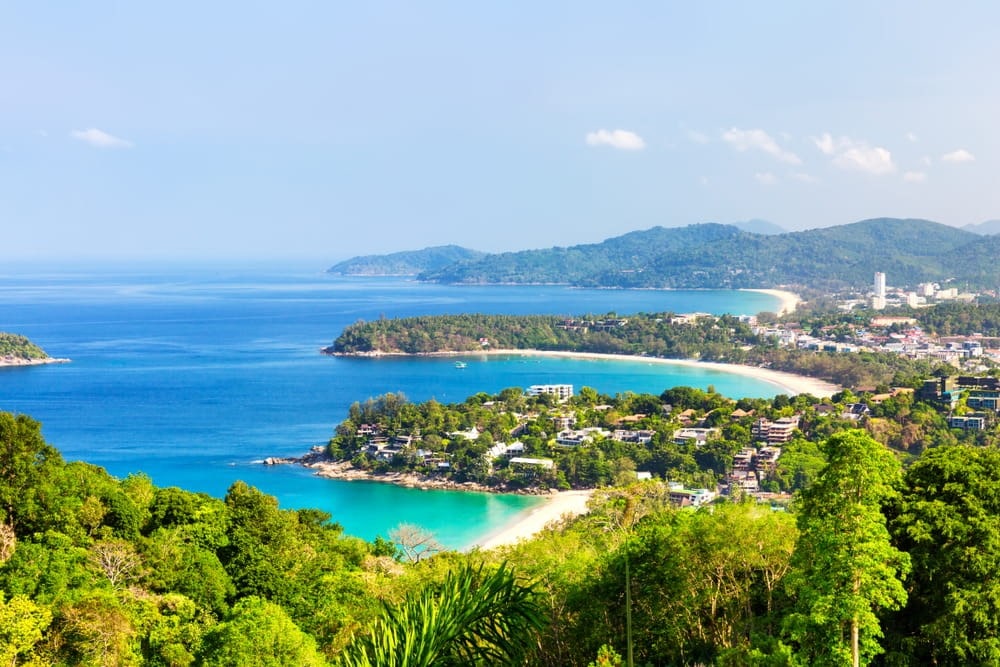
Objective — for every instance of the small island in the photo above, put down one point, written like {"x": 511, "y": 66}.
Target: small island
{"x": 18, "y": 350}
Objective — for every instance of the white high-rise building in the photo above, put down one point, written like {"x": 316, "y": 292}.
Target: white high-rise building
{"x": 879, "y": 284}
{"x": 878, "y": 301}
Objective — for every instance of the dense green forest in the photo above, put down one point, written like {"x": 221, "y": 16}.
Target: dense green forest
{"x": 723, "y": 256}
{"x": 407, "y": 263}
{"x": 726, "y": 339}
{"x": 961, "y": 319}
{"x": 947, "y": 318}
{"x": 100, "y": 571}
{"x": 15, "y": 345}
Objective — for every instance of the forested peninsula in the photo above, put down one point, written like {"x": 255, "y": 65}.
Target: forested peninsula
{"x": 406, "y": 263}
{"x": 726, "y": 339}
{"x": 18, "y": 350}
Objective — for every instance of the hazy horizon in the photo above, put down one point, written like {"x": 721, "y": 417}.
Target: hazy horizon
{"x": 309, "y": 131}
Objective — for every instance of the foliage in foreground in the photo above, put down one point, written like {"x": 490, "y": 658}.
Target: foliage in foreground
{"x": 475, "y": 617}
{"x": 99, "y": 571}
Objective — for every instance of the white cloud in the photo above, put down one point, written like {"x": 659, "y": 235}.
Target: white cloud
{"x": 912, "y": 138}
{"x": 804, "y": 177}
{"x": 961, "y": 155}
{"x": 825, "y": 144}
{"x": 620, "y": 139}
{"x": 766, "y": 178}
{"x": 915, "y": 176}
{"x": 854, "y": 154}
{"x": 704, "y": 181}
{"x": 100, "y": 139}
{"x": 744, "y": 140}
{"x": 926, "y": 160}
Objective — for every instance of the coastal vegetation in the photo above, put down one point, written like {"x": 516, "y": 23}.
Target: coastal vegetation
{"x": 724, "y": 256}
{"x": 685, "y": 435}
{"x": 957, "y": 318}
{"x": 892, "y": 564}
{"x": 706, "y": 338}
{"x": 16, "y": 346}
{"x": 407, "y": 263}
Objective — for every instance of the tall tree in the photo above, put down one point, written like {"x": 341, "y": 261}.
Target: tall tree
{"x": 27, "y": 465}
{"x": 260, "y": 633}
{"x": 949, "y": 523}
{"x": 845, "y": 569}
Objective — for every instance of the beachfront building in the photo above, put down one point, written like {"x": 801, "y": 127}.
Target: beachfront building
{"x": 774, "y": 432}
{"x": 560, "y": 391}
{"x": 583, "y": 436}
{"x": 681, "y": 497}
{"x": 510, "y": 450}
{"x": 642, "y": 437}
{"x": 529, "y": 462}
{"x": 976, "y": 421}
{"x": 699, "y": 435}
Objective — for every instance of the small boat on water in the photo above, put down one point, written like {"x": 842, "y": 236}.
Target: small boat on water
{"x": 460, "y": 364}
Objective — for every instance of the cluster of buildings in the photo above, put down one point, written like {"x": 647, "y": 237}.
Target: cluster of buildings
{"x": 897, "y": 335}
{"x": 982, "y": 400}
{"x": 925, "y": 294}
{"x": 750, "y": 467}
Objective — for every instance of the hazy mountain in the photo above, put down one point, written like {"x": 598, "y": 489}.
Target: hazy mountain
{"x": 713, "y": 255}
{"x": 758, "y": 226}
{"x": 988, "y": 227}
{"x": 406, "y": 263}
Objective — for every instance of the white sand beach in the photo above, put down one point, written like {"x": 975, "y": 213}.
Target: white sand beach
{"x": 789, "y": 300}
{"x": 20, "y": 361}
{"x": 788, "y": 383}
{"x": 556, "y": 505}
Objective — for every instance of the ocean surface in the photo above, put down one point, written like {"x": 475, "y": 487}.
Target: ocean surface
{"x": 195, "y": 375}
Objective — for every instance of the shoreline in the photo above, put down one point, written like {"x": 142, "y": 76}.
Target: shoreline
{"x": 790, "y": 383}
{"x": 525, "y": 525}
{"x": 14, "y": 362}
{"x": 345, "y": 471}
{"x": 789, "y": 301}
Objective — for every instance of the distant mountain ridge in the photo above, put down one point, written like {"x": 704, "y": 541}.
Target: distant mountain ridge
{"x": 712, "y": 255}
{"x": 406, "y": 263}
{"x": 758, "y": 226}
{"x": 987, "y": 227}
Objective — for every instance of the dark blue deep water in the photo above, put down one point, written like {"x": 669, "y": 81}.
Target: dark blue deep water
{"x": 193, "y": 375}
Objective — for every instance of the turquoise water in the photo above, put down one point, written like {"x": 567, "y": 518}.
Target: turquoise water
{"x": 192, "y": 376}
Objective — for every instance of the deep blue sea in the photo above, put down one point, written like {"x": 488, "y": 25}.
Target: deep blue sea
{"x": 194, "y": 375}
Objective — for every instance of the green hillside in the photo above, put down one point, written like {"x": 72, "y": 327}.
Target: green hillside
{"x": 723, "y": 256}
{"x": 407, "y": 263}
{"x": 17, "y": 346}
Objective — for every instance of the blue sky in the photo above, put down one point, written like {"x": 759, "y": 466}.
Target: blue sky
{"x": 136, "y": 130}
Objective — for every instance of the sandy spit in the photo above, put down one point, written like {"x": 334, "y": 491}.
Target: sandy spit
{"x": 789, "y": 300}
{"x": 20, "y": 361}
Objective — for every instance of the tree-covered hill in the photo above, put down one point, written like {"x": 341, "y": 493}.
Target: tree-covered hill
{"x": 19, "y": 347}
{"x": 723, "y": 256}
{"x": 725, "y": 339}
{"x": 407, "y": 263}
